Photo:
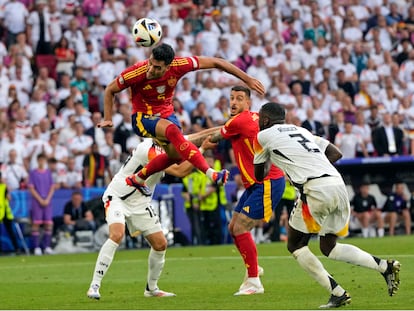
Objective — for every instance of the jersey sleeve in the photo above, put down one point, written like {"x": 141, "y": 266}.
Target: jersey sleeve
{"x": 321, "y": 142}
{"x": 231, "y": 128}
{"x": 261, "y": 155}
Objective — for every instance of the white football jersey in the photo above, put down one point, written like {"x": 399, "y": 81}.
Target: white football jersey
{"x": 295, "y": 150}
{"x": 141, "y": 155}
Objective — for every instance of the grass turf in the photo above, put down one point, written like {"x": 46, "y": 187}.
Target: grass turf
{"x": 203, "y": 278}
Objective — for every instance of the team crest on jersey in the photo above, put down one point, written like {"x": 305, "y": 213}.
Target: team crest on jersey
{"x": 121, "y": 80}
{"x": 172, "y": 81}
{"x": 147, "y": 87}
{"x": 161, "y": 89}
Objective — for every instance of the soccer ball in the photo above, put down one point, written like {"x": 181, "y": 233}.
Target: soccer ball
{"x": 146, "y": 32}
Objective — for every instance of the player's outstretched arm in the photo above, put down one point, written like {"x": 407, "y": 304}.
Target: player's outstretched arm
{"x": 110, "y": 91}
{"x": 198, "y": 138}
{"x": 219, "y": 63}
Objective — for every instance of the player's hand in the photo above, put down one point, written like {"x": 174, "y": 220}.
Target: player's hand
{"x": 256, "y": 85}
{"x": 105, "y": 123}
{"x": 207, "y": 144}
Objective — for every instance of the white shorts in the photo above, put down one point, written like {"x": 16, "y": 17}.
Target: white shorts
{"x": 327, "y": 208}
{"x": 140, "y": 218}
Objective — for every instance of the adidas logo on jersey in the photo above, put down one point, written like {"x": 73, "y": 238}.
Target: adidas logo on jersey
{"x": 147, "y": 87}
{"x": 246, "y": 209}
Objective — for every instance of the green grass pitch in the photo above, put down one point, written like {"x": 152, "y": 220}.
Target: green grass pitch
{"x": 203, "y": 278}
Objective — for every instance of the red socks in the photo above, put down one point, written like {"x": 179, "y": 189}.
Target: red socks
{"x": 187, "y": 150}
{"x": 247, "y": 248}
{"x": 159, "y": 163}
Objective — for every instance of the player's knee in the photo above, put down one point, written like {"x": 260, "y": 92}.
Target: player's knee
{"x": 327, "y": 244}
{"x": 325, "y": 249}
{"x": 116, "y": 236}
{"x": 159, "y": 245}
{"x": 172, "y": 132}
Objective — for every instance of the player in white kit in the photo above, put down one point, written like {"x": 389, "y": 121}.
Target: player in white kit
{"x": 323, "y": 207}
{"x": 124, "y": 204}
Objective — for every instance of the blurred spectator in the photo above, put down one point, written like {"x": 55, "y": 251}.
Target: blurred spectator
{"x": 58, "y": 151}
{"x": 9, "y": 142}
{"x": 56, "y": 30}
{"x": 73, "y": 177}
{"x": 200, "y": 118}
{"x": 82, "y": 85}
{"x": 362, "y": 129}
{"x": 396, "y": 208}
{"x": 36, "y": 146}
{"x": 88, "y": 61}
{"x": 374, "y": 119}
{"x": 96, "y": 168}
{"x": 182, "y": 115}
{"x": 74, "y": 35}
{"x": 312, "y": 125}
{"x": 124, "y": 130}
{"x": 39, "y": 29}
{"x": 80, "y": 145}
{"x": 245, "y": 59}
{"x": 76, "y": 215}
{"x": 111, "y": 151}
{"x": 365, "y": 209}
{"x": 41, "y": 188}
{"x": 388, "y": 139}
{"x": 65, "y": 56}
{"x": 14, "y": 174}
{"x": 14, "y": 15}
{"x": 58, "y": 171}
{"x": 348, "y": 142}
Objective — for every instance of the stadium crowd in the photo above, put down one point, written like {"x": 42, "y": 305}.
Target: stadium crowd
{"x": 344, "y": 69}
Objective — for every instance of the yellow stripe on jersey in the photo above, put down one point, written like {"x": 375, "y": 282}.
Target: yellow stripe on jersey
{"x": 248, "y": 145}
{"x": 179, "y": 62}
{"x": 244, "y": 172}
{"x": 132, "y": 74}
{"x": 267, "y": 200}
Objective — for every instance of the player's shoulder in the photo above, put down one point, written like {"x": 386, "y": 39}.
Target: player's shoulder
{"x": 189, "y": 61}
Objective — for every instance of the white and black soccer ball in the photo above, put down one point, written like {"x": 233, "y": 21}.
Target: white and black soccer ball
{"x": 146, "y": 32}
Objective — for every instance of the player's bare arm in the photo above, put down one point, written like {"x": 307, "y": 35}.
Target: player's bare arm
{"x": 216, "y": 137}
{"x": 110, "y": 91}
{"x": 333, "y": 153}
{"x": 219, "y": 63}
{"x": 198, "y": 138}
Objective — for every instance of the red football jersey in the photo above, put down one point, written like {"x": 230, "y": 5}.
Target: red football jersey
{"x": 155, "y": 96}
{"x": 241, "y": 130}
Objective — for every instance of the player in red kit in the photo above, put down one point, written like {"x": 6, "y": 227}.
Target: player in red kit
{"x": 152, "y": 85}
{"x": 260, "y": 198}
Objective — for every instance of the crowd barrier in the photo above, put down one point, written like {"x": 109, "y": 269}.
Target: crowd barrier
{"x": 20, "y": 202}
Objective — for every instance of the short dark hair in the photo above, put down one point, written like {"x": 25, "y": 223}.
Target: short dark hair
{"x": 164, "y": 52}
{"x": 241, "y": 88}
{"x": 274, "y": 111}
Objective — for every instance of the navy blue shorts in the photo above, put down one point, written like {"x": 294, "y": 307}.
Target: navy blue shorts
{"x": 259, "y": 200}
{"x": 144, "y": 124}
